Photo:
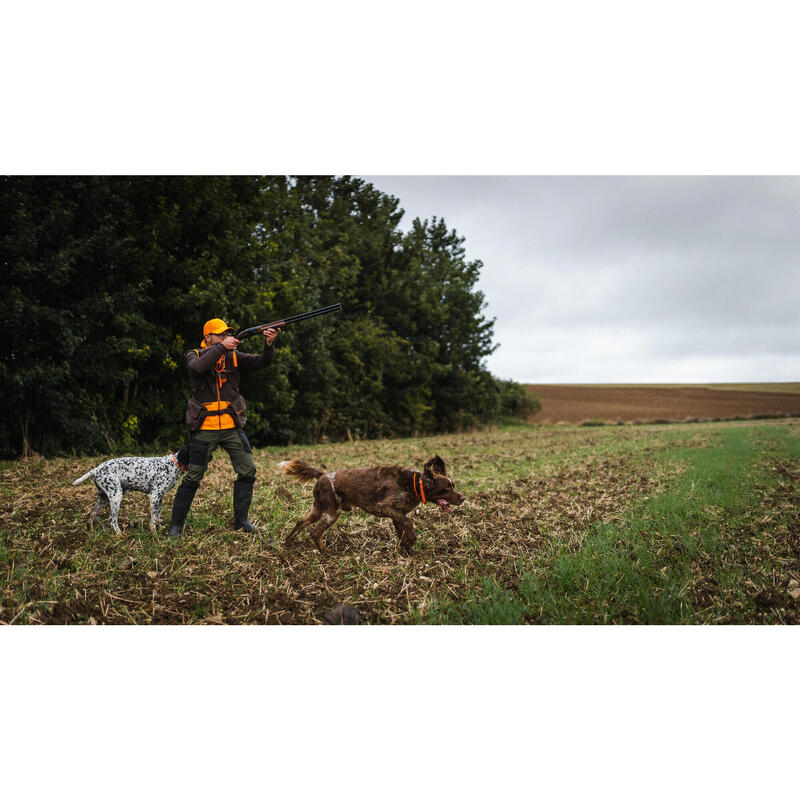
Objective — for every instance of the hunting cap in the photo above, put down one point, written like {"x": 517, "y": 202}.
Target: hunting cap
{"x": 216, "y": 326}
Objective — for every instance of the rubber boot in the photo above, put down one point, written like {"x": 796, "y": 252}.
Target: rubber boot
{"x": 242, "y": 497}
{"x": 180, "y": 508}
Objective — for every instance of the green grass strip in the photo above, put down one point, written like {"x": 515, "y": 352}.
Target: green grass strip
{"x": 644, "y": 570}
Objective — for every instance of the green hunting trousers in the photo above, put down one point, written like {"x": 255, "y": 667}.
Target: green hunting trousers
{"x": 232, "y": 441}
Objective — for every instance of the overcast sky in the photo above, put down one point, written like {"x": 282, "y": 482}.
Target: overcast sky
{"x": 628, "y": 279}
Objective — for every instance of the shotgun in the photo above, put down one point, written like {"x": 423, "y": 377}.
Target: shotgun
{"x": 282, "y": 323}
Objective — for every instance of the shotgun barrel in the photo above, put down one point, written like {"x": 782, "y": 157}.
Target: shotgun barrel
{"x": 247, "y": 332}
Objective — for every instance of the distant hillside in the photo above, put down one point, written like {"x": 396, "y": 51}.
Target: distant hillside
{"x": 676, "y": 402}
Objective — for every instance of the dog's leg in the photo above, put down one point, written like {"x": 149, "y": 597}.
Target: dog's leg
{"x": 156, "y": 498}
{"x": 327, "y": 520}
{"x": 102, "y": 500}
{"x": 114, "y": 500}
{"x": 405, "y": 533}
{"x": 403, "y": 525}
{"x": 325, "y": 508}
{"x": 309, "y": 519}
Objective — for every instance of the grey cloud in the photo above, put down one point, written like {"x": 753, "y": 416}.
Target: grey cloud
{"x": 679, "y": 273}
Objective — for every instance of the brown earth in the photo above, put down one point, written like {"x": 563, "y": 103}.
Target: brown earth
{"x": 570, "y": 403}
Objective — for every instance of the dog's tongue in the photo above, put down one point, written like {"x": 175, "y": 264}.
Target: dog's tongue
{"x": 444, "y": 505}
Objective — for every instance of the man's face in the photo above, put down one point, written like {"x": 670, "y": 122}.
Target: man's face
{"x": 216, "y": 338}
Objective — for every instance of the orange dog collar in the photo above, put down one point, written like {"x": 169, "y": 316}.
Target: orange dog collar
{"x": 421, "y": 492}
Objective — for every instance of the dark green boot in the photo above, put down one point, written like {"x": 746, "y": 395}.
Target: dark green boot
{"x": 242, "y": 497}
{"x": 180, "y": 508}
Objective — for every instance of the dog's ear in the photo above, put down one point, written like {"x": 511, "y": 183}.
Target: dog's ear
{"x": 435, "y": 467}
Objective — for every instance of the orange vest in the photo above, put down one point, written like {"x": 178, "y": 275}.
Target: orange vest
{"x": 217, "y": 420}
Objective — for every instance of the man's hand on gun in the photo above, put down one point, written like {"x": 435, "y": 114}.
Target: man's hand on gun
{"x": 271, "y": 333}
{"x": 231, "y": 342}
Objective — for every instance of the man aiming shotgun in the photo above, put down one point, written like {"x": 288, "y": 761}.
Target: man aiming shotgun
{"x": 216, "y": 412}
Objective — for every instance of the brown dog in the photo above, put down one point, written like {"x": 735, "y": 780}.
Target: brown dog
{"x": 383, "y": 491}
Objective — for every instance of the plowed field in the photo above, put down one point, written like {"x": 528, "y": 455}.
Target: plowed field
{"x": 573, "y": 403}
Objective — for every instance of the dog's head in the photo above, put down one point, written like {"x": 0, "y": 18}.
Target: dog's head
{"x": 438, "y": 487}
{"x": 182, "y": 456}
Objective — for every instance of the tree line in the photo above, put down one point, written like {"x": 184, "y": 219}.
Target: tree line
{"x": 110, "y": 279}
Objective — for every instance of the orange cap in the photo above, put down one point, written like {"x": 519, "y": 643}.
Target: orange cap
{"x": 216, "y": 326}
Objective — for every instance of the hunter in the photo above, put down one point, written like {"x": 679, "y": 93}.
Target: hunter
{"x": 215, "y": 416}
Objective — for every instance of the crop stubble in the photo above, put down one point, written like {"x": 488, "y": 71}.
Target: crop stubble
{"x": 558, "y": 485}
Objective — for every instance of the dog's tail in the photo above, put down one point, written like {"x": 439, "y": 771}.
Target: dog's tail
{"x": 83, "y": 477}
{"x": 300, "y": 470}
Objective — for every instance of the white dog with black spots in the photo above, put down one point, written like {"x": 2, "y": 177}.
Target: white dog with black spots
{"x": 153, "y": 476}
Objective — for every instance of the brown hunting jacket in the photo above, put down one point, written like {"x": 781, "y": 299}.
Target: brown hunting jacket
{"x": 215, "y": 403}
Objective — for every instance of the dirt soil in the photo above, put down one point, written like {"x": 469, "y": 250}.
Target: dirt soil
{"x": 565, "y": 403}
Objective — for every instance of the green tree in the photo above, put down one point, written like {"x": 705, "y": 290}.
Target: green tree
{"x": 110, "y": 280}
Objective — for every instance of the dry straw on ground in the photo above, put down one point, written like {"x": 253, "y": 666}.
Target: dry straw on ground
{"x": 531, "y": 492}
